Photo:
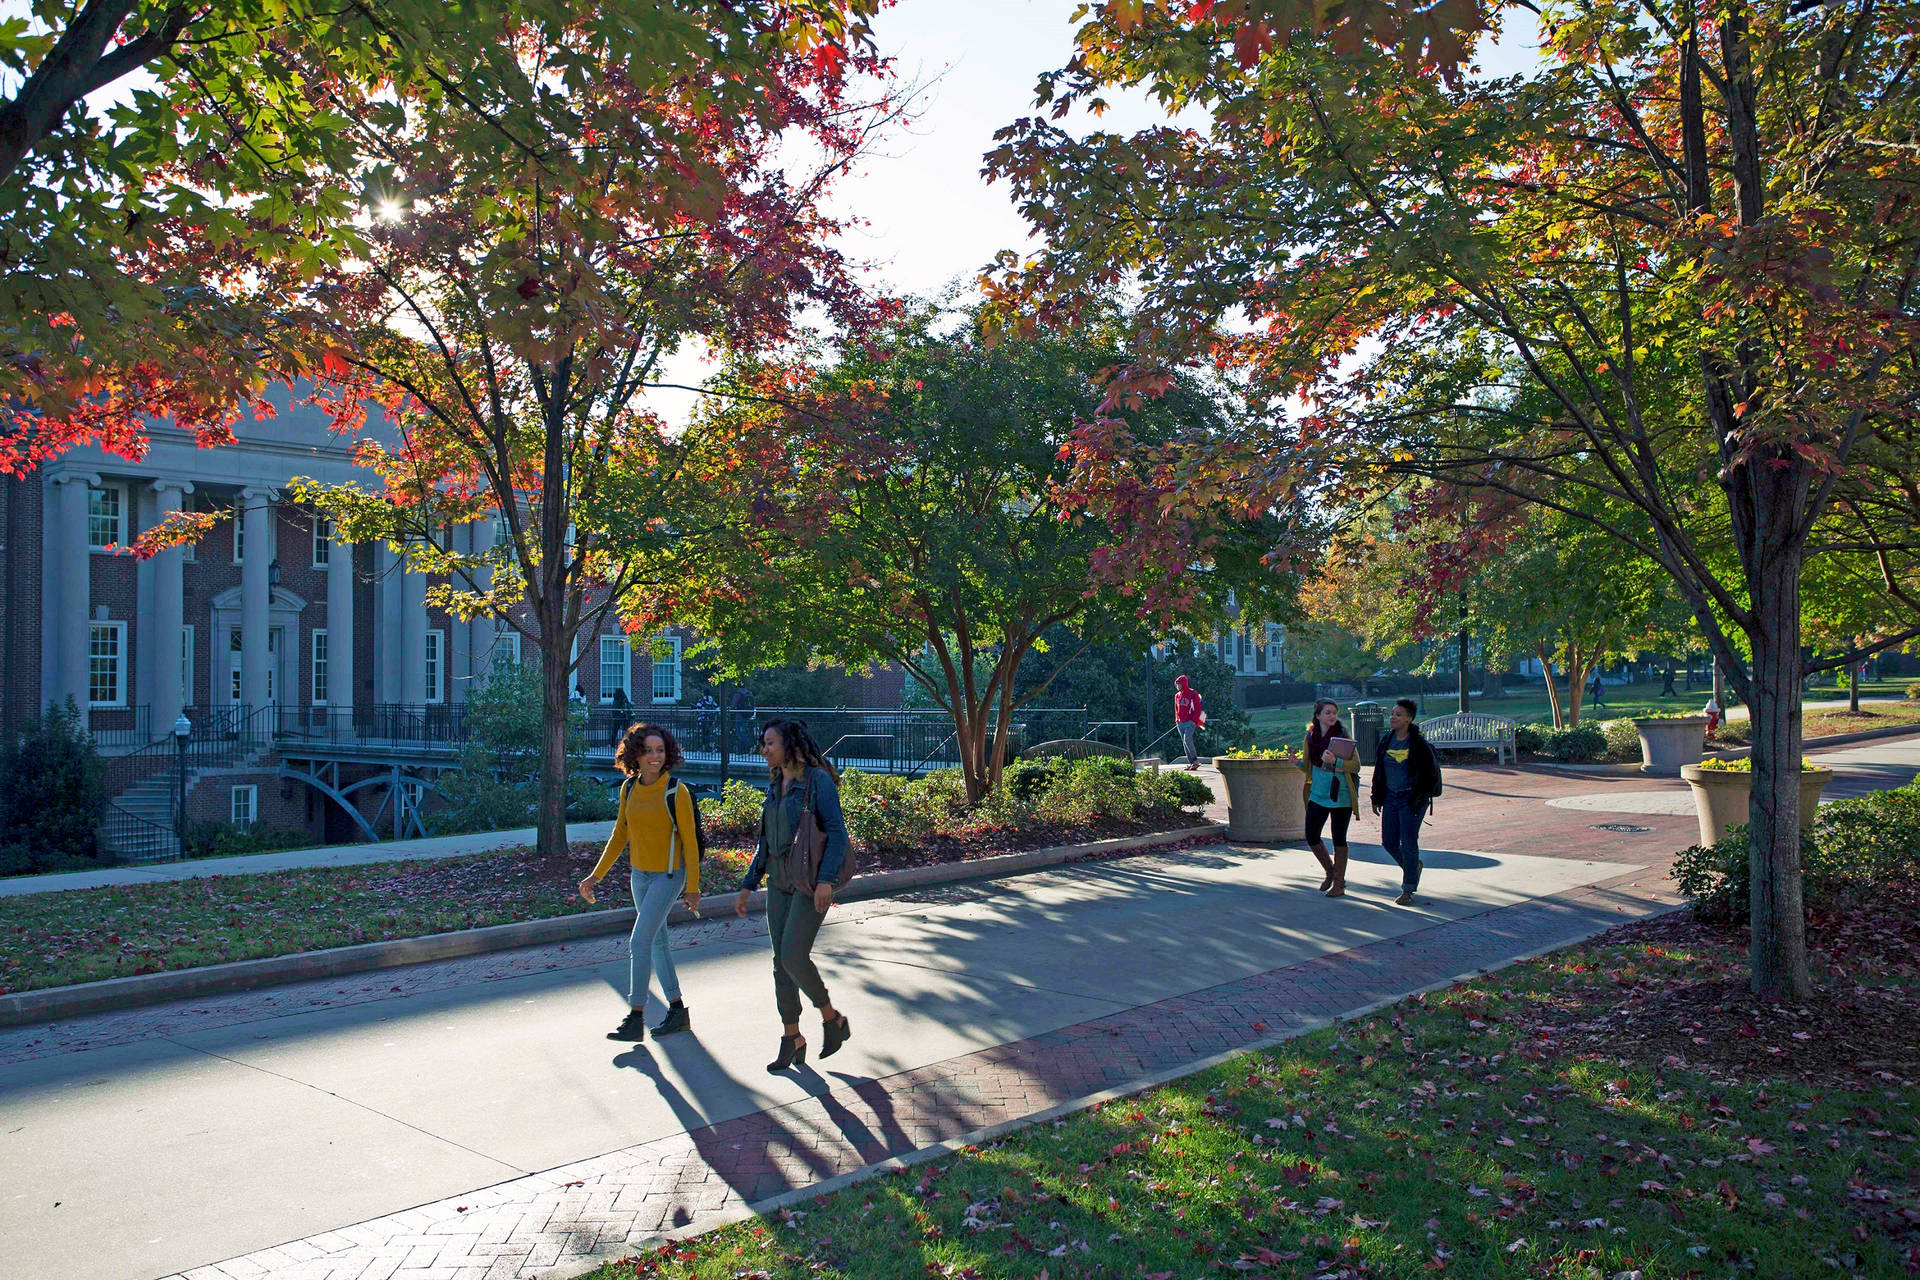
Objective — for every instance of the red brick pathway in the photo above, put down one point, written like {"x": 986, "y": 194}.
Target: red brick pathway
{"x": 565, "y": 1220}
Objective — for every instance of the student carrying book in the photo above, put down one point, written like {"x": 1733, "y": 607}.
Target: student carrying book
{"x": 1332, "y": 767}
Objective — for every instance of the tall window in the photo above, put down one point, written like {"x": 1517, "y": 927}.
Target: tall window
{"x": 666, "y": 668}
{"x": 245, "y": 806}
{"x": 436, "y": 666}
{"x": 319, "y": 668}
{"x": 107, "y": 664}
{"x": 186, "y": 669}
{"x": 616, "y": 667}
{"x": 322, "y": 542}
{"x": 106, "y": 517}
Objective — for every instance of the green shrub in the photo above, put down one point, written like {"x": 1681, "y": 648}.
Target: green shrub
{"x": 1578, "y": 744}
{"x": 1864, "y": 842}
{"x": 737, "y": 812}
{"x": 1089, "y": 790}
{"x": 1027, "y": 780}
{"x": 225, "y": 840}
{"x": 1531, "y": 738}
{"x": 53, "y": 794}
{"x": 1913, "y": 691}
{"x": 1169, "y": 791}
{"x": 888, "y": 812}
{"x": 1623, "y": 740}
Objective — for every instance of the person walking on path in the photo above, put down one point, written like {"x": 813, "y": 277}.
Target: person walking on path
{"x": 622, "y": 708}
{"x": 801, "y": 781}
{"x": 1406, "y": 778}
{"x": 1333, "y": 791}
{"x": 655, "y": 826}
{"x": 1189, "y": 716}
{"x": 1597, "y": 692}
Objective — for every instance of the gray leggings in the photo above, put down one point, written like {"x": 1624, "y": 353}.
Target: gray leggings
{"x": 792, "y": 924}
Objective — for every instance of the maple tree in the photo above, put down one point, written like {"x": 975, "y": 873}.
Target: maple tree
{"x": 508, "y": 316}
{"x": 895, "y": 500}
{"x": 1674, "y": 267}
{"x": 158, "y": 249}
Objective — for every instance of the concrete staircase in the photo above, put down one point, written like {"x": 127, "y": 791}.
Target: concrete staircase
{"x": 151, "y": 839}
{"x": 149, "y": 836}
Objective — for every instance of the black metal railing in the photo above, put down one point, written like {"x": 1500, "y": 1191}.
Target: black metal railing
{"x": 891, "y": 739}
{"x": 132, "y": 837}
{"x": 122, "y": 728}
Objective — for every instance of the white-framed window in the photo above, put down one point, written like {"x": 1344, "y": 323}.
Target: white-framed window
{"x": 666, "y": 668}
{"x": 244, "y": 807}
{"x": 107, "y": 664}
{"x": 319, "y": 647}
{"x": 186, "y": 669}
{"x": 506, "y": 647}
{"x": 322, "y": 542}
{"x": 436, "y": 658}
{"x": 106, "y": 516}
{"x": 616, "y": 667}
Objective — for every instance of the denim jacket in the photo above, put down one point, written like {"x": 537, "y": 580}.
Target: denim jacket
{"x": 826, "y": 809}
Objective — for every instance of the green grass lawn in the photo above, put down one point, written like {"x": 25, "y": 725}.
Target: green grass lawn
{"x": 1526, "y": 1124}
{"x": 83, "y": 935}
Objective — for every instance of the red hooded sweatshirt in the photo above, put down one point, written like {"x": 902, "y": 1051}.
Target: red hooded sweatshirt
{"x": 1186, "y": 703}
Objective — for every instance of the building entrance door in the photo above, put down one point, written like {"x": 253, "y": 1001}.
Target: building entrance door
{"x": 276, "y": 674}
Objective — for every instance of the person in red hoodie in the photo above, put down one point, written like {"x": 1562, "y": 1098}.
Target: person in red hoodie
{"x": 1189, "y": 716}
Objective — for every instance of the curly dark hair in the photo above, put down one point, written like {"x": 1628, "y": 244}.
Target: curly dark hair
{"x": 800, "y": 746}
{"x": 626, "y": 757}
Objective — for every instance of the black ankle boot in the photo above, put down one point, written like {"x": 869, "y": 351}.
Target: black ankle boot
{"x": 677, "y": 1019}
{"x": 793, "y": 1052}
{"x": 836, "y": 1033}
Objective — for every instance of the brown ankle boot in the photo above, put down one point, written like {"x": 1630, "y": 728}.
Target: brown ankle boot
{"x": 1338, "y": 889}
{"x": 1326, "y": 865}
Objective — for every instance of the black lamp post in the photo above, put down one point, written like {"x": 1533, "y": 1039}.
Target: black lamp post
{"x": 273, "y": 573}
{"x": 182, "y": 730}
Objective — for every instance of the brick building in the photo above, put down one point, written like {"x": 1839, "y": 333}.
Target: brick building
{"x": 267, "y": 620}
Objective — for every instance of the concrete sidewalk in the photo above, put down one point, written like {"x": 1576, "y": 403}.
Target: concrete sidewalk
{"x": 352, "y": 1114}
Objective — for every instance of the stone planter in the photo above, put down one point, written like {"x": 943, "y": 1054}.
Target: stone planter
{"x": 1666, "y": 746}
{"x": 1721, "y": 798}
{"x": 1265, "y": 802}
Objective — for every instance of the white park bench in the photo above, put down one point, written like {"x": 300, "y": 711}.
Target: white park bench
{"x": 1468, "y": 729}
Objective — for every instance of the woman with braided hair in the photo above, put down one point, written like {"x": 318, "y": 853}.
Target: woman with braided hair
{"x": 800, "y": 780}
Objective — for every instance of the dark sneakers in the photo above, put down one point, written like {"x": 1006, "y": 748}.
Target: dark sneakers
{"x": 677, "y": 1019}
{"x": 633, "y": 1027}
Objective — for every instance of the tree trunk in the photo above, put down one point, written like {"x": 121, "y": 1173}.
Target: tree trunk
{"x": 1853, "y": 687}
{"x": 1778, "y": 956}
{"x": 551, "y": 817}
{"x": 1465, "y": 635}
{"x": 1553, "y": 686}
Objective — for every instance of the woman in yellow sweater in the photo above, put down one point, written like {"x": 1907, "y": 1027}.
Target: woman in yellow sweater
{"x": 663, "y": 852}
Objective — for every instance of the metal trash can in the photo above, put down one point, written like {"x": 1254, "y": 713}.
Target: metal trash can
{"x": 1369, "y": 722}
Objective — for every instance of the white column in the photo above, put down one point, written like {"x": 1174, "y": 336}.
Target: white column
{"x": 255, "y": 595}
{"x": 340, "y": 676}
{"x": 169, "y": 616}
{"x": 482, "y": 630}
{"x": 72, "y": 615}
{"x": 413, "y": 637}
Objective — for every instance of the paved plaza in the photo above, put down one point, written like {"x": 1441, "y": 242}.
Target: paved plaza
{"x": 467, "y": 1119}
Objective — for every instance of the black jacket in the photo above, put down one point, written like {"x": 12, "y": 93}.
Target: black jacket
{"x": 1421, "y": 762}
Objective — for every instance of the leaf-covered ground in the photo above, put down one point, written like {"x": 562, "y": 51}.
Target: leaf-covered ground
{"x": 83, "y": 935}
{"x": 1620, "y": 1109}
